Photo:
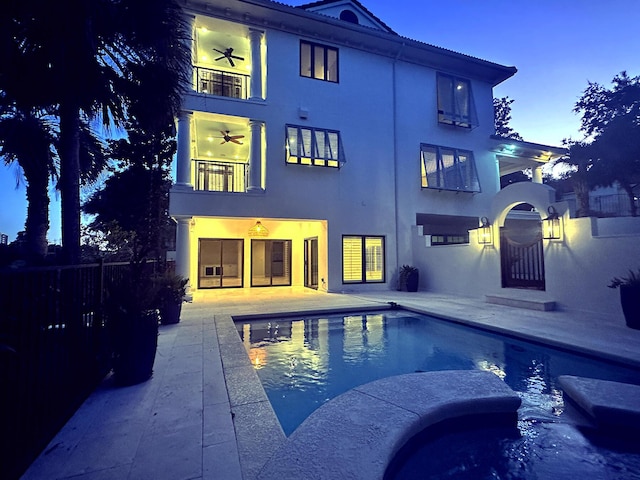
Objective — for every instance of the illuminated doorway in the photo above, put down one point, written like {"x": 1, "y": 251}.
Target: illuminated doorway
{"x": 521, "y": 249}
{"x": 311, "y": 262}
{"x": 220, "y": 263}
{"x": 270, "y": 263}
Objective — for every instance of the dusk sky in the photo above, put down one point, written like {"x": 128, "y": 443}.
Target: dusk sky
{"x": 556, "y": 45}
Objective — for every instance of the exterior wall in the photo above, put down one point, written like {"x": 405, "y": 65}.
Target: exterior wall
{"x": 356, "y": 199}
{"x": 578, "y": 269}
{"x": 384, "y": 108}
{"x": 417, "y": 122}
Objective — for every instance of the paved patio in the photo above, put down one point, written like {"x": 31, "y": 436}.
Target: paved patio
{"x": 204, "y": 414}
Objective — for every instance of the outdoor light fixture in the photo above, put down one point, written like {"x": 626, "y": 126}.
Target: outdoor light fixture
{"x": 485, "y": 234}
{"x": 258, "y": 230}
{"x": 552, "y": 225}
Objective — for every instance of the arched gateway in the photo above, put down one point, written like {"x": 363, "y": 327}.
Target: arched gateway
{"x": 516, "y": 211}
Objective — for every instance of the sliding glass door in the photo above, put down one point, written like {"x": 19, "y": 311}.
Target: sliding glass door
{"x": 270, "y": 263}
{"x": 220, "y": 263}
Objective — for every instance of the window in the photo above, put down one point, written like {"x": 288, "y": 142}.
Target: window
{"x": 318, "y": 61}
{"x": 314, "y": 146}
{"x": 449, "y": 239}
{"x": 448, "y": 169}
{"x": 362, "y": 259}
{"x": 455, "y": 102}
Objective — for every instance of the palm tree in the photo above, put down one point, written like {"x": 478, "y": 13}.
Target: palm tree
{"x": 90, "y": 60}
{"x": 28, "y": 138}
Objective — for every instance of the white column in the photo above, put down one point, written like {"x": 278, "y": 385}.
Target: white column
{"x": 183, "y": 261}
{"x": 255, "y": 157}
{"x": 537, "y": 175}
{"x": 255, "y": 40}
{"x": 183, "y": 167}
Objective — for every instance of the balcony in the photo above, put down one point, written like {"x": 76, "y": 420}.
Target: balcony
{"x": 221, "y": 83}
{"x": 214, "y": 176}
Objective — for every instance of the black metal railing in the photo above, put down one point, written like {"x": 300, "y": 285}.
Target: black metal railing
{"x": 54, "y": 350}
{"x": 213, "y": 176}
{"x": 221, "y": 83}
{"x": 618, "y": 205}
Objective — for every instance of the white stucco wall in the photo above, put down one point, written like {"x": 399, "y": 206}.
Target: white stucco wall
{"x": 578, "y": 269}
{"x": 384, "y": 109}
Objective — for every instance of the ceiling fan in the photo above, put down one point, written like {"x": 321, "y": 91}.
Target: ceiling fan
{"x": 228, "y": 54}
{"x": 230, "y": 138}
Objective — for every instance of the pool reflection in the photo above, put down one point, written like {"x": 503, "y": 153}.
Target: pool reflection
{"x": 304, "y": 362}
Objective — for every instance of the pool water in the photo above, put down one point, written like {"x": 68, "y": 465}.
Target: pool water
{"x": 535, "y": 450}
{"x": 304, "y": 362}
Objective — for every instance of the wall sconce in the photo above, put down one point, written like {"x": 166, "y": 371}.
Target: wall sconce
{"x": 258, "y": 230}
{"x": 552, "y": 225}
{"x": 485, "y": 233}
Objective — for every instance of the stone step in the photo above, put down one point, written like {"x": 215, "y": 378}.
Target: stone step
{"x": 525, "y": 299}
{"x": 612, "y": 405}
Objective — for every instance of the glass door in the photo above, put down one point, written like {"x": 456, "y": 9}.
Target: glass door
{"x": 270, "y": 263}
{"x": 311, "y": 262}
{"x": 220, "y": 263}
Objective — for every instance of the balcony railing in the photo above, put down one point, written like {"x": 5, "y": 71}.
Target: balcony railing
{"x": 212, "y": 176}
{"x": 617, "y": 205}
{"x": 223, "y": 84}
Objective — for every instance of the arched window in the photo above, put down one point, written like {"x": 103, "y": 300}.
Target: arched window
{"x": 349, "y": 16}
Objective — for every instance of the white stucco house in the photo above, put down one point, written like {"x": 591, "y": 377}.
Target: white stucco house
{"x": 319, "y": 148}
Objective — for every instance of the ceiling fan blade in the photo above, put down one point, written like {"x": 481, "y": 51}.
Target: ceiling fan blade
{"x": 236, "y": 136}
{"x": 223, "y": 142}
{"x": 235, "y": 141}
{"x": 224, "y": 134}
{"x": 219, "y": 51}
{"x": 219, "y": 58}
{"x": 231, "y": 62}
{"x": 237, "y": 58}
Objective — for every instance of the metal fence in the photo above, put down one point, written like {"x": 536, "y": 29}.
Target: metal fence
{"x": 53, "y": 352}
{"x": 618, "y": 205}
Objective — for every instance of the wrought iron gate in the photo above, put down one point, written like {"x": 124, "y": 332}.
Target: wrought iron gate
{"x": 522, "y": 264}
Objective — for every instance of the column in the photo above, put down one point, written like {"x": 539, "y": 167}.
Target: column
{"x": 255, "y": 157}
{"x": 183, "y": 261}
{"x": 183, "y": 167}
{"x": 537, "y": 175}
{"x": 255, "y": 40}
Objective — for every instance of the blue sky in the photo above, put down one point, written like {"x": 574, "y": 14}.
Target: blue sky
{"x": 557, "y": 46}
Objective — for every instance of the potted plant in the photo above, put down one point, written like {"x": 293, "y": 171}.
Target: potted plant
{"x": 629, "y": 297}
{"x": 133, "y": 319}
{"x": 171, "y": 291}
{"x": 409, "y": 278}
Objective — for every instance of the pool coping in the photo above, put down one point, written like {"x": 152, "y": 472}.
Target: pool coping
{"x": 258, "y": 432}
{"x": 358, "y": 434}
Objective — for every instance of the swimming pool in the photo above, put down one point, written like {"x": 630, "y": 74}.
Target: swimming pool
{"x": 304, "y": 362}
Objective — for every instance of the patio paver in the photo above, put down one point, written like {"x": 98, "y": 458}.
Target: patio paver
{"x": 192, "y": 421}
